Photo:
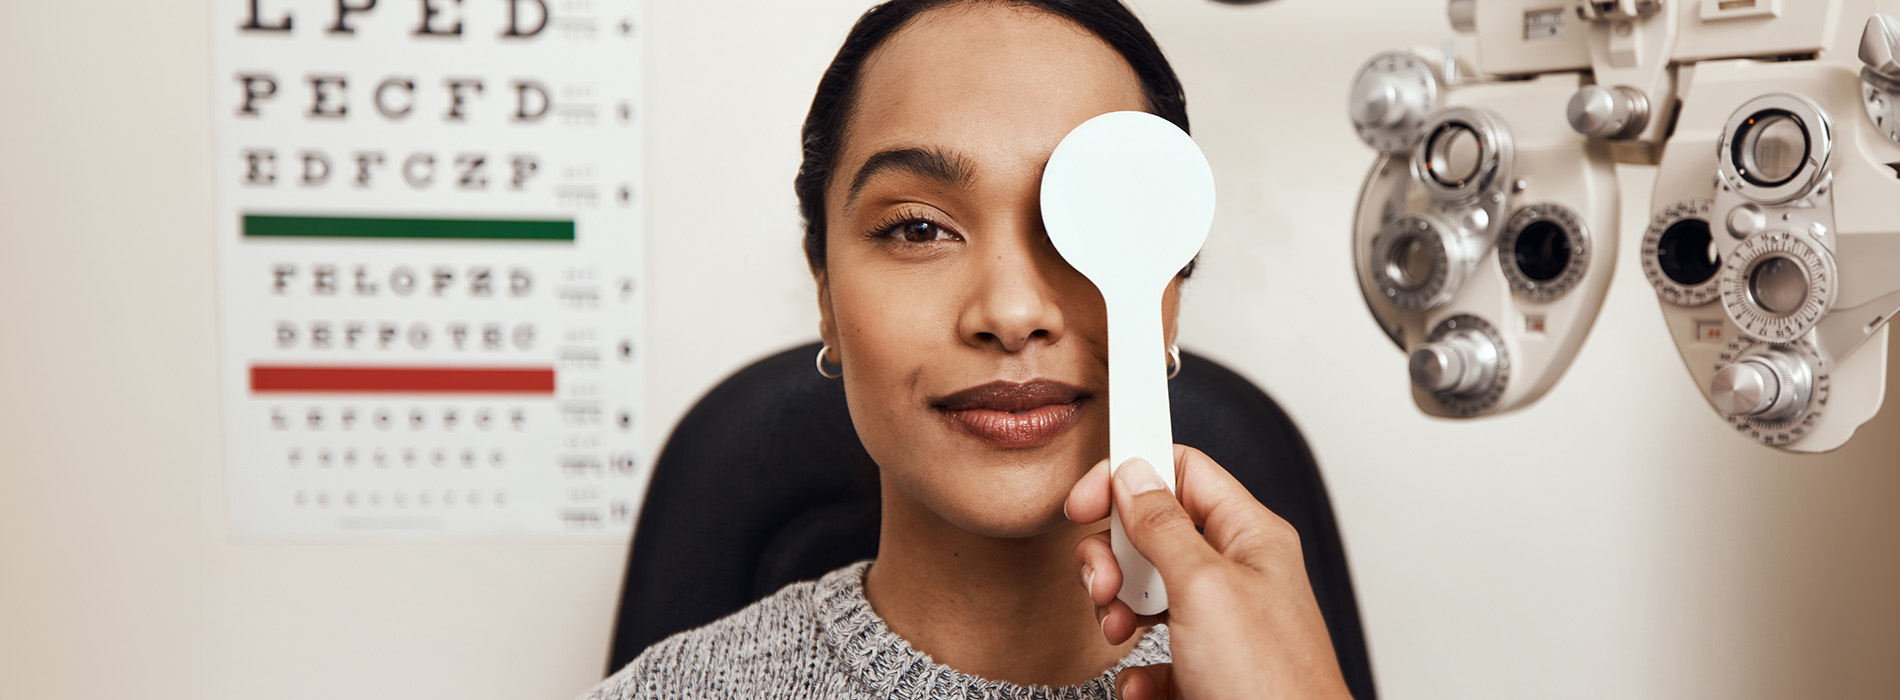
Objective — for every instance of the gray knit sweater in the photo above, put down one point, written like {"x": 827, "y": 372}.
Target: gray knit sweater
{"x": 820, "y": 639}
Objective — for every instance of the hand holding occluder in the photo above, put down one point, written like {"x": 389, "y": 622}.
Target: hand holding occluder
{"x": 1242, "y": 619}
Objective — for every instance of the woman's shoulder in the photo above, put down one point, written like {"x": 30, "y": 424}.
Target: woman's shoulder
{"x": 772, "y": 647}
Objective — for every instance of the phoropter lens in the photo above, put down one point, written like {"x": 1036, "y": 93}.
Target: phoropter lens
{"x": 1772, "y": 148}
{"x": 1410, "y": 263}
{"x": 1778, "y": 285}
{"x": 1686, "y": 252}
{"x": 1543, "y": 251}
{"x": 1454, "y": 154}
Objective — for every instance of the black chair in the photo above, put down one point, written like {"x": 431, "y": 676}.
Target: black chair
{"x": 764, "y": 483}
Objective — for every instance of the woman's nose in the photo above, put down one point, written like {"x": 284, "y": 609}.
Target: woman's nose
{"x": 1012, "y": 299}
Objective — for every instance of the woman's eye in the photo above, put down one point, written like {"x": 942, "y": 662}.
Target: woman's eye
{"x": 919, "y": 232}
{"x": 911, "y": 230}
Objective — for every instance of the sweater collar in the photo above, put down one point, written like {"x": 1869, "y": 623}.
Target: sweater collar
{"x": 887, "y": 666}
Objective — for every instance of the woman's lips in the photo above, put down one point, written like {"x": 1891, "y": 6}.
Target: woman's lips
{"x": 1025, "y": 429}
{"x": 1013, "y": 415}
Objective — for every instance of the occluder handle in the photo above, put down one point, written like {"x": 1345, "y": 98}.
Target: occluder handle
{"x": 1139, "y": 425}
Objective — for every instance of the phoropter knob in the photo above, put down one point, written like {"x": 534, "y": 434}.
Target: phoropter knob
{"x": 1390, "y": 98}
{"x": 1880, "y": 50}
{"x": 1381, "y": 101}
{"x": 1464, "y": 362}
{"x": 1770, "y": 386}
{"x": 1464, "y": 16}
{"x": 1611, "y": 113}
{"x": 1880, "y": 45}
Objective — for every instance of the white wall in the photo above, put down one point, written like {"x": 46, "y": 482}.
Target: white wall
{"x": 1614, "y": 541}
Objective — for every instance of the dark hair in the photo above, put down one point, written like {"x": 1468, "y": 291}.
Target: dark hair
{"x": 831, "y": 108}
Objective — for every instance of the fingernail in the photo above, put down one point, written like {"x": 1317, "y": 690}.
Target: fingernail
{"x": 1137, "y": 476}
{"x": 1088, "y": 580}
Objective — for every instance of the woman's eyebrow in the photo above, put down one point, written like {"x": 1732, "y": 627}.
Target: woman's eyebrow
{"x": 943, "y": 166}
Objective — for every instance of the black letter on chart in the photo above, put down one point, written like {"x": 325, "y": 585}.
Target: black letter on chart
{"x": 263, "y": 170}
{"x": 522, "y": 88}
{"x": 255, "y": 23}
{"x": 514, "y": 19}
{"x": 423, "y": 179}
{"x": 323, "y": 279}
{"x": 408, "y": 85}
{"x": 255, "y": 85}
{"x": 364, "y": 159}
{"x": 320, "y": 97}
{"x": 471, "y": 178}
{"x": 365, "y": 286}
{"x": 403, "y": 280}
{"x": 457, "y": 99}
{"x": 343, "y": 10}
{"x": 428, "y": 28}
{"x": 524, "y": 168}
{"x": 316, "y": 168}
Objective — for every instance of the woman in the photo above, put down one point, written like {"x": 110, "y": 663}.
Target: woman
{"x": 975, "y": 367}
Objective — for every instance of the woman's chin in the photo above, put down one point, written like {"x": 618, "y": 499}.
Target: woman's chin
{"x": 1014, "y": 497}
{"x": 1017, "y": 515}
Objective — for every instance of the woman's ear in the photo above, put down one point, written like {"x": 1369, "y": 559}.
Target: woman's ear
{"x": 1171, "y": 311}
{"x": 827, "y": 322}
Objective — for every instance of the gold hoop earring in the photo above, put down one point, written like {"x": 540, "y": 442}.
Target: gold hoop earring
{"x": 822, "y": 350}
{"x": 1174, "y": 361}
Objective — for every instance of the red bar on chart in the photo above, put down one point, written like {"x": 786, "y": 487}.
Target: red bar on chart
{"x": 280, "y": 379}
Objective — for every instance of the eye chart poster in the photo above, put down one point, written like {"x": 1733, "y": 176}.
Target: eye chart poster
{"x": 430, "y": 253}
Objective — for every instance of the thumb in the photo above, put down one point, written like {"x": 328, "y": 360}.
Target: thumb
{"x": 1145, "y": 682}
{"x": 1156, "y": 523}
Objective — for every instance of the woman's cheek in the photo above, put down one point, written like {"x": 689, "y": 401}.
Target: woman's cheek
{"x": 898, "y": 324}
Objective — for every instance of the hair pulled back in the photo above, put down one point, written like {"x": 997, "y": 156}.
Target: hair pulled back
{"x": 824, "y": 130}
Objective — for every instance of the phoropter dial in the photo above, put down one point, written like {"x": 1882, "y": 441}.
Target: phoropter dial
{"x": 1880, "y": 80}
{"x": 1462, "y": 153}
{"x": 1776, "y": 148}
{"x": 1618, "y": 112}
{"x": 1771, "y": 385}
{"x": 1463, "y": 365}
{"x": 1679, "y": 254}
{"x": 1418, "y": 262}
{"x": 1772, "y": 392}
{"x": 1391, "y": 97}
{"x": 1544, "y": 250}
{"x": 1778, "y": 285}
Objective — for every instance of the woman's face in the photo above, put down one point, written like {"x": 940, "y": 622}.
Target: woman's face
{"x": 975, "y": 358}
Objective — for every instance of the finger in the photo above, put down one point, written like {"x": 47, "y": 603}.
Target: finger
{"x": 1101, "y": 575}
{"x": 1146, "y": 682}
{"x": 1235, "y": 523}
{"x": 1119, "y": 622}
{"x": 1133, "y": 683}
{"x": 1089, "y": 499}
{"x": 1157, "y": 525}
